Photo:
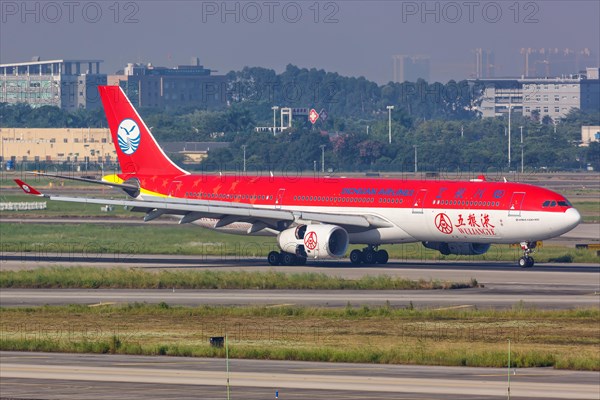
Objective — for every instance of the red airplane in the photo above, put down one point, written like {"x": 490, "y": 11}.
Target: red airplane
{"x": 317, "y": 218}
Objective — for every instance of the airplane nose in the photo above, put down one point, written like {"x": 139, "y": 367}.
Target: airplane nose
{"x": 572, "y": 218}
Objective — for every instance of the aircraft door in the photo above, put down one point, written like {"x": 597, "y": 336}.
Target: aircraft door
{"x": 419, "y": 201}
{"x": 516, "y": 202}
{"x": 279, "y": 198}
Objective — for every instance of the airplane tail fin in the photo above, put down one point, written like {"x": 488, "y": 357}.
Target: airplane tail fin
{"x": 137, "y": 150}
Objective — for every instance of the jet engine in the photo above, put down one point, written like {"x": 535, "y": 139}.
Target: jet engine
{"x": 314, "y": 241}
{"x": 462, "y": 249}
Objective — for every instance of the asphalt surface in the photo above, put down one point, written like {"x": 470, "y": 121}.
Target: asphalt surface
{"x": 69, "y": 376}
{"x": 480, "y": 298}
{"x": 503, "y": 285}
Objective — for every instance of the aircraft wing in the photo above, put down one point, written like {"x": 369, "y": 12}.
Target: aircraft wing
{"x": 226, "y": 212}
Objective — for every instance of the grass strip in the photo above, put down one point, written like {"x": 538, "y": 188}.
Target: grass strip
{"x": 134, "y": 278}
{"x": 566, "y": 339}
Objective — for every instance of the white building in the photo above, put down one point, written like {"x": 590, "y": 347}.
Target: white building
{"x": 68, "y": 84}
{"x": 553, "y": 97}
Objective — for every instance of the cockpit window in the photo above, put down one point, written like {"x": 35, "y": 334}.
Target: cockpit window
{"x": 552, "y": 203}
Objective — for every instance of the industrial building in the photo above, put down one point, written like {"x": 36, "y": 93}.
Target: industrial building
{"x": 553, "y": 97}
{"x": 57, "y": 145}
{"x": 162, "y": 87}
{"x": 68, "y": 84}
{"x": 81, "y": 146}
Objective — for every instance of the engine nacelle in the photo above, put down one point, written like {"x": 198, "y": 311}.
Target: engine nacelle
{"x": 462, "y": 249}
{"x": 314, "y": 241}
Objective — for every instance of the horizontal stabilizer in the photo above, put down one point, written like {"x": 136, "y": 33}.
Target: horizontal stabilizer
{"x": 27, "y": 188}
{"x": 124, "y": 186}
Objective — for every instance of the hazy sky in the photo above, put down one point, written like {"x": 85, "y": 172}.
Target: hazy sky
{"x": 349, "y": 37}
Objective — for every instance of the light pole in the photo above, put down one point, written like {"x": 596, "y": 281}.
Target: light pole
{"x": 522, "y": 145}
{"x": 416, "y": 168}
{"x": 322, "y": 158}
{"x": 508, "y": 369}
{"x": 390, "y": 108}
{"x": 509, "y": 120}
{"x": 274, "y": 108}
{"x": 244, "y": 148}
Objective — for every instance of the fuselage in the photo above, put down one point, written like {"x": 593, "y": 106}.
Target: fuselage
{"x": 475, "y": 211}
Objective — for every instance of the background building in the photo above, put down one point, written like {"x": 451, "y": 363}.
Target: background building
{"x": 589, "y": 134}
{"x": 543, "y": 63}
{"x": 411, "y": 68}
{"x": 162, "y": 87}
{"x": 68, "y": 84}
{"x": 553, "y": 97}
{"x": 57, "y": 145}
{"x": 192, "y": 152}
{"x": 484, "y": 64}
{"x": 82, "y": 146}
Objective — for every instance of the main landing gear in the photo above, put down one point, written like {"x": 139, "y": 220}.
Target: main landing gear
{"x": 369, "y": 255}
{"x": 282, "y": 258}
{"x": 528, "y": 248}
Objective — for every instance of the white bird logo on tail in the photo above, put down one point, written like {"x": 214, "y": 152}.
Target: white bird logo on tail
{"x": 129, "y": 136}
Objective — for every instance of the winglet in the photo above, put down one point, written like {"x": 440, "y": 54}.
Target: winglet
{"x": 27, "y": 189}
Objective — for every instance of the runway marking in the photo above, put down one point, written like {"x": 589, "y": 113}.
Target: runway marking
{"x": 513, "y": 373}
{"x": 143, "y": 363}
{"x": 108, "y": 303}
{"x": 336, "y": 369}
{"x": 19, "y": 356}
{"x": 281, "y": 305}
{"x": 454, "y": 307}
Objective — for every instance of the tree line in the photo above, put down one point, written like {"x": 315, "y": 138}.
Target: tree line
{"x": 441, "y": 120}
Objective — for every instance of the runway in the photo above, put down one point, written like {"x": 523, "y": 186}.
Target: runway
{"x": 556, "y": 286}
{"x": 71, "y": 376}
{"x": 463, "y": 298}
